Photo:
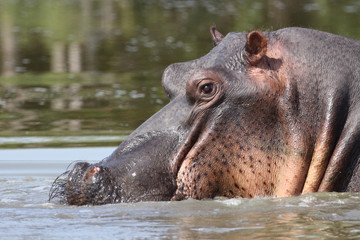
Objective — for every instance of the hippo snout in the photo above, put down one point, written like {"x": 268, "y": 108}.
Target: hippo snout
{"x": 85, "y": 184}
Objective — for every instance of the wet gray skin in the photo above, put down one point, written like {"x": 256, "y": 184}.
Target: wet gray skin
{"x": 261, "y": 114}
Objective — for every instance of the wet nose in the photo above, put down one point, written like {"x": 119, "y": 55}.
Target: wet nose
{"x": 78, "y": 171}
{"x": 83, "y": 171}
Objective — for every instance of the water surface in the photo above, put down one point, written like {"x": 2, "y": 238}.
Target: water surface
{"x": 25, "y": 213}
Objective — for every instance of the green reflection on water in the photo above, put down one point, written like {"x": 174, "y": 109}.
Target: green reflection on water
{"x": 76, "y": 105}
{"x": 93, "y": 67}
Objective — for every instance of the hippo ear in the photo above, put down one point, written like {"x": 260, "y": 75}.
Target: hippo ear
{"x": 216, "y": 36}
{"x": 255, "y": 48}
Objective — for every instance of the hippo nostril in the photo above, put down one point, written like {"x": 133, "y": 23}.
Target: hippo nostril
{"x": 90, "y": 173}
{"x": 80, "y": 167}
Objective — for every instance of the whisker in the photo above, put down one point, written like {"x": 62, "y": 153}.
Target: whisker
{"x": 58, "y": 188}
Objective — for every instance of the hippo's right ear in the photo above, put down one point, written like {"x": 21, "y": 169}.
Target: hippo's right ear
{"x": 255, "y": 48}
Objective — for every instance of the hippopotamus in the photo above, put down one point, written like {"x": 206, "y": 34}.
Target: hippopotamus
{"x": 262, "y": 114}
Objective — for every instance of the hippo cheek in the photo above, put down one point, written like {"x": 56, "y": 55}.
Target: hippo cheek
{"x": 211, "y": 170}
{"x": 234, "y": 159}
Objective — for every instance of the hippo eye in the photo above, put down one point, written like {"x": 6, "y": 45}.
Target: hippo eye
{"x": 207, "y": 88}
{"x": 204, "y": 87}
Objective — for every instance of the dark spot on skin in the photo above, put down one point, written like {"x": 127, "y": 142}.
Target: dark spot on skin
{"x": 259, "y": 161}
{"x": 209, "y": 164}
{"x": 231, "y": 192}
{"x": 198, "y": 176}
{"x": 225, "y": 162}
{"x": 243, "y": 189}
{"x": 205, "y": 174}
{"x": 223, "y": 155}
{"x": 264, "y": 183}
{"x": 240, "y": 170}
{"x": 251, "y": 158}
{"x": 251, "y": 166}
{"x": 250, "y": 195}
{"x": 237, "y": 186}
{"x": 228, "y": 170}
{"x": 217, "y": 160}
{"x": 209, "y": 184}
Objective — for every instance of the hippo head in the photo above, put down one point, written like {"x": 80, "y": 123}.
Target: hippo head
{"x": 242, "y": 121}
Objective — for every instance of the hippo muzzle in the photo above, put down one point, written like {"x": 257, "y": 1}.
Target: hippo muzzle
{"x": 90, "y": 184}
{"x": 137, "y": 171}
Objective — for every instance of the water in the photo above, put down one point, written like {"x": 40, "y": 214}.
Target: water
{"x": 77, "y": 76}
{"x": 26, "y": 214}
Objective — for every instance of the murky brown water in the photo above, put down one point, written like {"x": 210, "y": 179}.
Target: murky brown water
{"x": 77, "y": 76}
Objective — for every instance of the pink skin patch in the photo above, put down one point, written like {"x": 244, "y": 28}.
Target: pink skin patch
{"x": 90, "y": 173}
